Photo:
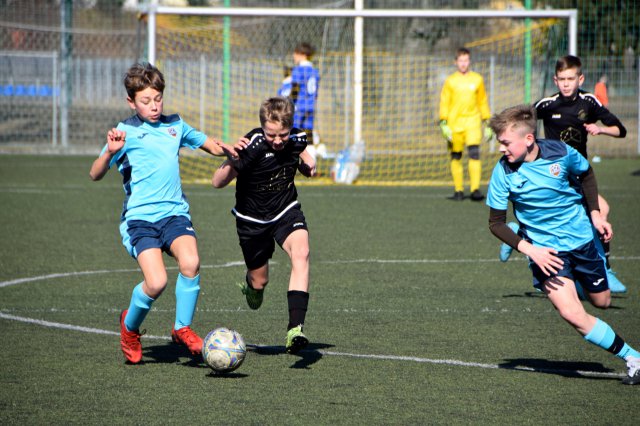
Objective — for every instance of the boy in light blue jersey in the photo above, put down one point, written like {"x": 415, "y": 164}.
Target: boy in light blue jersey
{"x": 538, "y": 178}
{"x": 155, "y": 215}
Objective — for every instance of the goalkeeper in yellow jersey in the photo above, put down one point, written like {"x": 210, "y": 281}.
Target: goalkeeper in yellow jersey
{"x": 463, "y": 109}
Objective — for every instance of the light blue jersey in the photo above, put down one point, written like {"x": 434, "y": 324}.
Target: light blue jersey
{"x": 150, "y": 168}
{"x": 548, "y": 207}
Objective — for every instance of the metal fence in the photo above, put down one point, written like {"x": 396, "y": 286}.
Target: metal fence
{"x": 106, "y": 39}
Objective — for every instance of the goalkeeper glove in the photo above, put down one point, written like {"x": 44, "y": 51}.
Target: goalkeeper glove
{"x": 488, "y": 133}
{"x": 446, "y": 130}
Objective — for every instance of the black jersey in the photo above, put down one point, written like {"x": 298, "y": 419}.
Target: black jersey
{"x": 265, "y": 186}
{"x": 564, "y": 119}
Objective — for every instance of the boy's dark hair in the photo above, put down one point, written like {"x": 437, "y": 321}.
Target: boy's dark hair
{"x": 462, "y": 51}
{"x": 568, "y": 62}
{"x": 277, "y": 109}
{"x": 520, "y": 116}
{"x": 305, "y": 49}
{"x": 141, "y": 76}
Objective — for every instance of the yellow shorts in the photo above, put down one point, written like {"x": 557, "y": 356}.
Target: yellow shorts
{"x": 471, "y": 134}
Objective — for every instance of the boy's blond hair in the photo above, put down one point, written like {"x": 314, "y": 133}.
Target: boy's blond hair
{"x": 277, "y": 109}
{"x": 517, "y": 117}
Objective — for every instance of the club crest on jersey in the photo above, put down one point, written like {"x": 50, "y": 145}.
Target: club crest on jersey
{"x": 172, "y": 132}
{"x": 555, "y": 169}
{"x": 582, "y": 115}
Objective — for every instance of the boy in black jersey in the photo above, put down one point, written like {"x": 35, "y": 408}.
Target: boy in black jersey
{"x": 267, "y": 210}
{"x": 570, "y": 115}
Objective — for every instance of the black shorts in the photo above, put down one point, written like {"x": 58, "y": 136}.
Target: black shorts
{"x": 257, "y": 240}
{"x": 583, "y": 265}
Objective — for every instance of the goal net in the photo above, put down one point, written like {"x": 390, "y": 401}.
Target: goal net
{"x": 219, "y": 69}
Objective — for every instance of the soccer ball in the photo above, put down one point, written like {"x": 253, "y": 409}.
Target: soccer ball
{"x": 223, "y": 350}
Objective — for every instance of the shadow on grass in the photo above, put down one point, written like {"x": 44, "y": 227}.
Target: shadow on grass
{"x": 232, "y": 375}
{"x": 540, "y": 295}
{"x": 308, "y": 356}
{"x": 580, "y": 370}
{"x": 171, "y": 353}
{"x": 535, "y": 294}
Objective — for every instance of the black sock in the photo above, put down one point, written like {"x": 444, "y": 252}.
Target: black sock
{"x": 298, "y": 301}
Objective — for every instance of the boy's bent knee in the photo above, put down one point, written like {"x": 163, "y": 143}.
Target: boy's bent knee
{"x": 154, "y": 287}
{"x": 601, "y": 300}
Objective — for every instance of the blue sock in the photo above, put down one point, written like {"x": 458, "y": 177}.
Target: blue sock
{"x": 187, "y": 291}
{"x": 138, "y": 308}
{"x": 603, "y": 335}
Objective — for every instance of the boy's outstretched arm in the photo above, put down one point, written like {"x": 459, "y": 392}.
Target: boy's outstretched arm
{"x": 224, "y": 175}
{"x": 115, "y": 142}
{"x": 218, "y": 148}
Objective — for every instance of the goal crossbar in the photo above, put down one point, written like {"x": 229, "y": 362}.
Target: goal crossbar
{"x": 358, "y": 13}
{"x": 151, "y": 10}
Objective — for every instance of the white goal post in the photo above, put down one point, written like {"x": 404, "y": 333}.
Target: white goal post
{"x": 358, "y": 13}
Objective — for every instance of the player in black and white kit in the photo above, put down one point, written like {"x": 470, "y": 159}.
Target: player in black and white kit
{"x": 572, "y": 118}
{"x": 267, "y": 209}
{"x": 570, "y": 115}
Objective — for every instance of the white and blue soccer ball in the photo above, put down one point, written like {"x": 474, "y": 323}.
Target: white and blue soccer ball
{"x": 223, "y": 350}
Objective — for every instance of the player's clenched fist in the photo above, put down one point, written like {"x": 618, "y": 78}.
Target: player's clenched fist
{"x": 115, "y": 140}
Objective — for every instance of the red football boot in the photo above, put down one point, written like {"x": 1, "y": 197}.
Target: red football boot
{"x": 130, "y": 341}
{"x": 186, "y": 336}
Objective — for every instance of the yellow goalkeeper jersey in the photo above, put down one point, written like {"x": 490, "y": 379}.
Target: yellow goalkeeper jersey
{"x": 463, "y": 98}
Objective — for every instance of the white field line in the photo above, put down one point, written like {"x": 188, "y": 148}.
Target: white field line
{"x": 453, "y": 362}
{"x": 240, "y": 263}
{"x": 71, "y": 327}
{"x": 102, "y": 271}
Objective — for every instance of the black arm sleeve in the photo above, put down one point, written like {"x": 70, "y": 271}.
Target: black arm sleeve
{"x": 609, "y": 119}
{"x": 590, "y": 189}
{"x": 498, "y": 227}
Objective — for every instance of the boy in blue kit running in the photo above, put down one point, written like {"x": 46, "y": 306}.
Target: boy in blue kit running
{"x": 155, "y": 216}
{"x": 537, "y": 176}
{"x": 304, "y": 89}
{"x": 267, "y": 209}
{"x": 570, "y": 116}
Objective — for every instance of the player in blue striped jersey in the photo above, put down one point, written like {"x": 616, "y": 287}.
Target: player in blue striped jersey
{"x": 155, "y": 215}
{"x": 537, "y": 177}
{"x": 304, "y": 89}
